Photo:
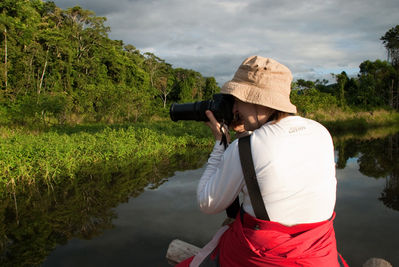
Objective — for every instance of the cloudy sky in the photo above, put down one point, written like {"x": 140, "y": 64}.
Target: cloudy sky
{"x": 312, "y": 37}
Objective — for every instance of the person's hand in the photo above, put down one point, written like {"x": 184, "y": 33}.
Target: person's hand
{"x": 216, "y": 128}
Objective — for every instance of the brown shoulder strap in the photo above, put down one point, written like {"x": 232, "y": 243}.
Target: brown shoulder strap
{"x": 248, "y": 169}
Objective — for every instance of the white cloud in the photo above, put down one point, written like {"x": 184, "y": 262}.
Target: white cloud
{"x": 232, "y": 6}
{"x": 312, "y": 37}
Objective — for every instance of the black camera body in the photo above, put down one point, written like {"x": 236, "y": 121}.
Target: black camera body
{"x": 221, "y": 106}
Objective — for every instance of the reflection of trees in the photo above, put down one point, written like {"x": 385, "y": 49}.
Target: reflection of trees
{"x": 376, "y": 158}
{"x": 79, "y": 208}
{"x": 390, "y": 194}
{"x": 376, "y": 161}
{"x": 346, "y": 150}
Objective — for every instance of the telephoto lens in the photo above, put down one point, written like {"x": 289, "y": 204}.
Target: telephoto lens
{"x": 221, "y": 106}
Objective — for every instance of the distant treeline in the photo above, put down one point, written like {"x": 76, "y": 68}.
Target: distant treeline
{"x": 376, "y": 85}
{"x": 59, "y": 66}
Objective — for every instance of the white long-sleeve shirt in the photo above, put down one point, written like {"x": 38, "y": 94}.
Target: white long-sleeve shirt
{"x": 295, "y": 168}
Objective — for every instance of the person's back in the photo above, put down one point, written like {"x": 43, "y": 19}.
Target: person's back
{"x": 294, "y": 164}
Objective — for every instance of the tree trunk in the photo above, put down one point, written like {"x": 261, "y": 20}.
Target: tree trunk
{"x": 391, "y": 95}
{"x": 44, "y": 71}
{"x": 164, "y": 101}
{"x": 397, "y": 98}
{"x": 5, "y": 58}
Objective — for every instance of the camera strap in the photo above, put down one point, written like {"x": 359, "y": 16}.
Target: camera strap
{"x": 224, "y": 137}
{"x": 248, "y": 169}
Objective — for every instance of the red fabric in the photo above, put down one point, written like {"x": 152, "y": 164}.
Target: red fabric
{"x": 274, "y": 244}
{"x": 278, "y": 245}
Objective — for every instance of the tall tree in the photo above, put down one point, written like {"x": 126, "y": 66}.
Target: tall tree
{"x": 341, "y": 79}
{"x": 303, "y": 84}
{"x": 391, "y": 43}
{"x": 376, "y": 81}
{"x": 189, "y": 85}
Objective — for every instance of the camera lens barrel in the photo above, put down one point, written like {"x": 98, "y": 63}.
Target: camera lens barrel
{"x": 221, "y": 105}
{"x": 189, "y": 111}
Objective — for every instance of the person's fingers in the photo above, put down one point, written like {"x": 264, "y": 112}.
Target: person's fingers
{"x": 211, "y": 117}
{"x": 214, "y": 125}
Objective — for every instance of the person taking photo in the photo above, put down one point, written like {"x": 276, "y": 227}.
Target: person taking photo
{"x": 287, "y": 210}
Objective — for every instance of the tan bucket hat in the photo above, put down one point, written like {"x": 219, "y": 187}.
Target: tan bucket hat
{"x": 262, "y": 81}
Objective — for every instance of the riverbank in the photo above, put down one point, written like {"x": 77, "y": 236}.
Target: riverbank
{"x": 35, "y": 220}
{"x": 44, "y": 157}
{"x": 31, "y": 158}
{"x": 340, "y": 122}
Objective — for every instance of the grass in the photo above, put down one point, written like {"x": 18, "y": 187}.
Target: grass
{"x": 340, "y": 122}
{"x": 64, "y": 182}
{"x": 48, "y": 157}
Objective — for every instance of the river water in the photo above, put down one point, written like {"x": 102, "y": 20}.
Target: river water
{"x": 137, "y": 231}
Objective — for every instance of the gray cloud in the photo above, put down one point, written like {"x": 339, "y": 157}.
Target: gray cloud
{"x": 312, "y": 37}
{"x": 100, "y": 7}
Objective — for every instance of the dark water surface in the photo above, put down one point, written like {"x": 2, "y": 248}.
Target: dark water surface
{"x": 90, "y": 228}
{"x": 144, "y": 228}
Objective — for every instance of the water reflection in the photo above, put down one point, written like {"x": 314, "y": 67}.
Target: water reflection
{"x": 390, "y": 195}
{"x": 81, "y": 208}
{"x": 378, "y": 158}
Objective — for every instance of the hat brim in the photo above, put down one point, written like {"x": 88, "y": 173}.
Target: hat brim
{"x": 252, "y": 94}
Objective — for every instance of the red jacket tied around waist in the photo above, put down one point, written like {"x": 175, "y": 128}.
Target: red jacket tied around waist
{"x": 253, "y": 242}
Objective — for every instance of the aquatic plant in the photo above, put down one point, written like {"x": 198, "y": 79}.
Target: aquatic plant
{"x": 29, "y": 159}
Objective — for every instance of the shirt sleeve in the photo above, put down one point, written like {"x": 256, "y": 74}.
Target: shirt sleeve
{"x": 222, "y": 179}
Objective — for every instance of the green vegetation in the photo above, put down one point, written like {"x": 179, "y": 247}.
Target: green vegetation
{"x": 36, "y": 221}
{"x": 357, "y": 122}
{"x": 63, "y": 182}
{"x": 375, "y": 87}
{"x": 48, "y": 158}
{"x": 59, "y": 67}
{"x": 74, "y": 101}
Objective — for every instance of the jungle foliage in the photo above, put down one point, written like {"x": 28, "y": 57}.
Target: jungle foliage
{"x": 59, "y": 66}
{"x": 375, "y": 87}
